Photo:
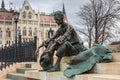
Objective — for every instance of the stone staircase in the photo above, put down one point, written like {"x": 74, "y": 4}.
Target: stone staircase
{"x": 101, "y": 71}
{"x": 19, "y": 73}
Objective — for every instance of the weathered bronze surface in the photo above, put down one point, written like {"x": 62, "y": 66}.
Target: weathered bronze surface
{"x": 85, "y": 60}
{"x": 66, "y": 43}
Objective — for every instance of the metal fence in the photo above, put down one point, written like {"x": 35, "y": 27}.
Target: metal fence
{"x": 22, "y": 52}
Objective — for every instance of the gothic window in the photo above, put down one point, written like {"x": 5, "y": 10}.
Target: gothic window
{"x": 30, "y": 15}
{"x": 27, "y": 7}
{"x": 30, "y": 32}
{"x": 35, "y": 31}
{"x": 8, "y": 32}
{"x": 0, "y": 33}
{"x": 24, "y": 14}
{"x": 7, "y": 42}
{"x": 19, "y": 30}
{"x": 24, "y": 31}
{"x": 23, "y": 39}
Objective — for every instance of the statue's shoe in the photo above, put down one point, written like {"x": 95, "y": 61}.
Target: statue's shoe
{"x": 53, "y": 69}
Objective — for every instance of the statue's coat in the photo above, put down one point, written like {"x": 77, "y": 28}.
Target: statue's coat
{"x": 85, "y": 60}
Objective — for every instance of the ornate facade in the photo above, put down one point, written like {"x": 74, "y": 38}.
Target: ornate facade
{"x": 30, "y": 24}
{"x": 6, "y": 25}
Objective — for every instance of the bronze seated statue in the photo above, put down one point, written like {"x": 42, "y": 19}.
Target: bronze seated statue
{"x": 46, "y": 59}
{"x": 66, "y": 42}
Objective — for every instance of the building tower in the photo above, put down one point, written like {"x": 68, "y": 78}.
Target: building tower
{"x": 64, "y": 11}
{"x": 2, "y": 9}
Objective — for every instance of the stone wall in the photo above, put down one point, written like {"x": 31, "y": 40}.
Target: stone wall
{"x": 114, "y": 47}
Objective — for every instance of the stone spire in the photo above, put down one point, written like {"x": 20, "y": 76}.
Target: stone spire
{"x": 64, "y": 9}
{"x": 64, "y": 12}
{"x": 3, "y": 4}
{"x": 3, "y": 7}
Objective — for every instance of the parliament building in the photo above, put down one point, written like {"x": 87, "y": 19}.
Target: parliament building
{"x": 30, "y": 24}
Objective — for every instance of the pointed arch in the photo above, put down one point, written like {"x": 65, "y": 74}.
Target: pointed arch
{"x": 8, "y": 32}
{"x": 35, "y": 31}
{"x": 30, "y": 32}
{"x": 24, "y": 31}
{"x": 0, "y": 33}
{"x": 29, "y": 15}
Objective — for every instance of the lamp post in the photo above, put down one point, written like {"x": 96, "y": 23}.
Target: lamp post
{"x": 15, "y": 20}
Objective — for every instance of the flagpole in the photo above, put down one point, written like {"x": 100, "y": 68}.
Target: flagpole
{"x": 10, "y": 3}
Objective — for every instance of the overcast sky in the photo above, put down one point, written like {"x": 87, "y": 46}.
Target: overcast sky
{"x": 48, "y": 6}
{"x": 72, "y": 7}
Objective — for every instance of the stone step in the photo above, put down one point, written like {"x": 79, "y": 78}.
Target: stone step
{"x": 5, "y": 79}
{"x": 36, "y": 66}
{"x": 97, "y": 77}
{"x": 107, "y": 68}
{"x": 100, "y": 68}
{"x": 35, "y": 74}
{"x": 16, "y": 76}
{"x": 116, "y": 57}
{"x": 27, "y": 64}
{"x": 22, "y": 70}
{"x": 59, "y": 76}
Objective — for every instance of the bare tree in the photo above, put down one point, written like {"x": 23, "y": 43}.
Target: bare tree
{"x": 98, "y": 17}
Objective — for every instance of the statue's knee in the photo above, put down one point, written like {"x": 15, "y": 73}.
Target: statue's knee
{"x": 59, "y": 55}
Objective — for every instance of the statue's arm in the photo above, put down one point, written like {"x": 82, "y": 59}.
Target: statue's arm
{"x": 37, "y": 51}
{"x": 65, "y": 36}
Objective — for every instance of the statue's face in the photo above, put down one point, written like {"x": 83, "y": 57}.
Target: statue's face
{"x": 58, "y": 19}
